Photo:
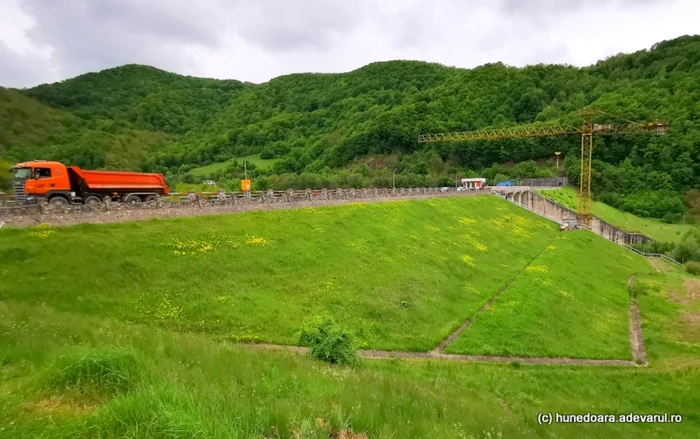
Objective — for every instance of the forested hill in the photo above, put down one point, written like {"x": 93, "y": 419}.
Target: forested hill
{"x": 143, "y": 117}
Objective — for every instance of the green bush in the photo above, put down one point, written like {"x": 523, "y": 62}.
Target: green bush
{"x": 693, "y": 268}
{"x": 328, "y": 341}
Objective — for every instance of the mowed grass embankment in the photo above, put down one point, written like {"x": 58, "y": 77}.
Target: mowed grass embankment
{"x": 572, "y": 301}
{"x": 99, "y": 335}
{"x": 653, "y": 228}
{"x": 400, "y": 275}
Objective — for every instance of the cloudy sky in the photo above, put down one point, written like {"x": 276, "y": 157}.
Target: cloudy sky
{"x": 255, "y": 40}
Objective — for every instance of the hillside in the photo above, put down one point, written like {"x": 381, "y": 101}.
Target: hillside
{"x": 26, "y": 122}
{"x": 150, "y": 330}
{"x": 317, "y": 123}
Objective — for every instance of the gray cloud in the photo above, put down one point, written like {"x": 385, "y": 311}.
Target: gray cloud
{"x": 286, "y": 25}
{"x": 257, "y": 40}
{"x": 539, "y": 7}
{"x": 90, "y": 35}
{"x": 18, "y": 70}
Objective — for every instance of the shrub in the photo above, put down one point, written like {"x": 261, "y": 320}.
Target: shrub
{"x": 693, "y": 268}
{"x": 328, "y": 341}
{"x": 267, "y": 153}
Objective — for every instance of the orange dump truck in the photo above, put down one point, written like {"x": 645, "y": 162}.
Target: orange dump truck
{"x": 60, "y": 184}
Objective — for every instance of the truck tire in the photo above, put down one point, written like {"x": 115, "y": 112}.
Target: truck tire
{"x": 92, "y": 199}
{"x": 152, "y": 198}
{"x": 58, "y": 201}
{"x": 133, "y": 199}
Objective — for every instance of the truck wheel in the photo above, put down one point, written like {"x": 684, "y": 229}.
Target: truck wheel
{"x": 58, "y": 201}
{"x": 92, "y": 199}
{"x": 133, "y": 199}
{"x": 152, "y": 198}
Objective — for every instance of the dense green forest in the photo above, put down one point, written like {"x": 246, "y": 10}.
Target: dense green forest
{"x": 360, "y": 128}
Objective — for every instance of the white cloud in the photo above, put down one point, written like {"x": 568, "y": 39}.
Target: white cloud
{"x": 255, "y": 41}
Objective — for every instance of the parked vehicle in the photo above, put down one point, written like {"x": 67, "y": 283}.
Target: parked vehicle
{"x": 62, "y": 185}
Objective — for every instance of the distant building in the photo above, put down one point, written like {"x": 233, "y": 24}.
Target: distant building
{"x": 209, "y": 182}
{"x": 545, "y": 182}
{"x": 473, "y": 183}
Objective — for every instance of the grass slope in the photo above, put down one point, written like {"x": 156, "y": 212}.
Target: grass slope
{"x": 83, "y": 355}
{"x": 207, "y": 170}
{"x": 626, "y": 221}
{"x": 401, "y": 275}
{"x": 67, "y": 375}
{"x": 572, "y": 301}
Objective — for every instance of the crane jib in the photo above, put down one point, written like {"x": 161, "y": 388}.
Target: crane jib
{"x": 587, "y": 131}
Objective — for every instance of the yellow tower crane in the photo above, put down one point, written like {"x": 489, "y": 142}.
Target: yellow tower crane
{"x": 587, "y": 131}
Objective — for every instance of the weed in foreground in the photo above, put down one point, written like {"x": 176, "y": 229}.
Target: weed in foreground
{"x": 328, "y": 341}
{"x": 100, "y": 372}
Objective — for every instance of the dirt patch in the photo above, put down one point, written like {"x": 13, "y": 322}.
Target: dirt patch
{"x": 60, "y": 405}
{"x": 347, "y": 434}
{"x": 692, "y": 318}
{"x": 691, "y": 294}
{"x": 692, "y": 289}
{"x": 689, "y": 326}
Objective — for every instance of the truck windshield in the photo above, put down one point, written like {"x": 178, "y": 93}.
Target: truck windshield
{"x": 22, "y": 174}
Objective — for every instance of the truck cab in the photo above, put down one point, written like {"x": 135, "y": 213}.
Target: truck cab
{"x": 41, "y": 179}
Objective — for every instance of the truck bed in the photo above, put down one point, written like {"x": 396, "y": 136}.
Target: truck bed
{"x": 122, "y": 180}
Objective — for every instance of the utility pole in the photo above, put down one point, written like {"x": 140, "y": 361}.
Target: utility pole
{"x": 245, "y": 169}
{"x": 557, "y": 154}
{"x": 393, "y": 179}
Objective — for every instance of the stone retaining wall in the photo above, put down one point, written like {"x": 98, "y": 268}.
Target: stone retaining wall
{"x": 22, "y": 216}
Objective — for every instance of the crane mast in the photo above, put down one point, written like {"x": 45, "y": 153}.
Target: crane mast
{"x": 588, "y": 131}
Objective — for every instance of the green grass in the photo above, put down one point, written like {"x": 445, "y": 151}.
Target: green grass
{"x": 572, "y": 301}
{"x": 189, "y": 385}
{"x": 400, "y": 275}
{"x": 204, "y": 171}
{"x": 106, "y": 332}
{"x": 651, "y": 227}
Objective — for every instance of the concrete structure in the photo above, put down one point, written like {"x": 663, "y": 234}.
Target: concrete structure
{"x": 563, "y": 215}
{"x": 473, "y": 183}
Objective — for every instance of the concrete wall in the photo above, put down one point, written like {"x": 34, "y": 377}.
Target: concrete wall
{"x": 22, "y": 216}
{"x": 560, "y": 213}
